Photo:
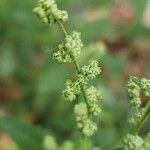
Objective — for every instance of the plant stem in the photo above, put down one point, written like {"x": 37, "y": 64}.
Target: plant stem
{"x": 85, "y": 143}
{"x": 145, "y": 115}
{"x": 62, "y": 27}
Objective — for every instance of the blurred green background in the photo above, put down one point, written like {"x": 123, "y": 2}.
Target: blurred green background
{"x": 31, "y": 105}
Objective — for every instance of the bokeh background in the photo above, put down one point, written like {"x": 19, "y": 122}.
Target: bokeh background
{"x": 116, "y": 32}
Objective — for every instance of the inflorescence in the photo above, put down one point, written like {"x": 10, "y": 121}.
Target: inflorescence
{"x": 136, "y": 88}
{"x": 135, "y": 142}
{"x": 48, "y": 12}
{"x": 132, "y": 142}
{"x": 69, "y": 51}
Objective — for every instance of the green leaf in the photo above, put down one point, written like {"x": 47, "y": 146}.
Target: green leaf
{"x": 23, "y": 134}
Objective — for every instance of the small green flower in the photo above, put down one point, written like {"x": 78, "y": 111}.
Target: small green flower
{"x": 80, "y": 109}
{"x": 95, "y": 109}
{"x": 89, "y": 128}
{"x": 132, "y": 142}
{"x": 70, "y": 49}
{"x": 134, "y": 93}
{"x": 81, "y": 113}
{"x": 93, "y": 95}
{"x": 91, "y": 70}
{"x": 62, "y": 56}
{"x": 138, "y": 114}
{"x": 135, "y": 88}
{"x": 73, "y": 44}
{"x": 82, "y": 80}
{"x": 71, "y": 90}
{"x": 48, "y": 12}
{"x": 40, "y": 13}
{"x": 145, "y": 86}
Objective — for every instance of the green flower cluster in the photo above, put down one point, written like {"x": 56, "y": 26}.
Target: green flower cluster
{"x": 135, "y": 88}
{"x": 90, "y": 71}
{"x": 89, "y": 108}
{"x": 132, "y": 142}
{"x": 145, "y": 86}
{"x": 138, "y": 114}
{"x": 134, "y": 93}
{"x": 72, "y": 89}
{"x": 94, "y": 97}
{"x": 81, "y": 111}
{"x": 48, "y": 12}
{"x": 70, "y": 49}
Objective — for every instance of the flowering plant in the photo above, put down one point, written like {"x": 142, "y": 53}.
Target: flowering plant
{"x": 136, "y": 88}
{"x": 68, "y": 52}
{"x": 85, "y": 111}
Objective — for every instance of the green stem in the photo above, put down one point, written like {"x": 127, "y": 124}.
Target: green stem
{"x": 85, "y": 143}
{"x": 76, "y": 63}
{"x": 145, "y": 115}
{"x": 62, "y": 27}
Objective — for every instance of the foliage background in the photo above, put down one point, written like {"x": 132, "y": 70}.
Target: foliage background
{"x": 31, "y": 82}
